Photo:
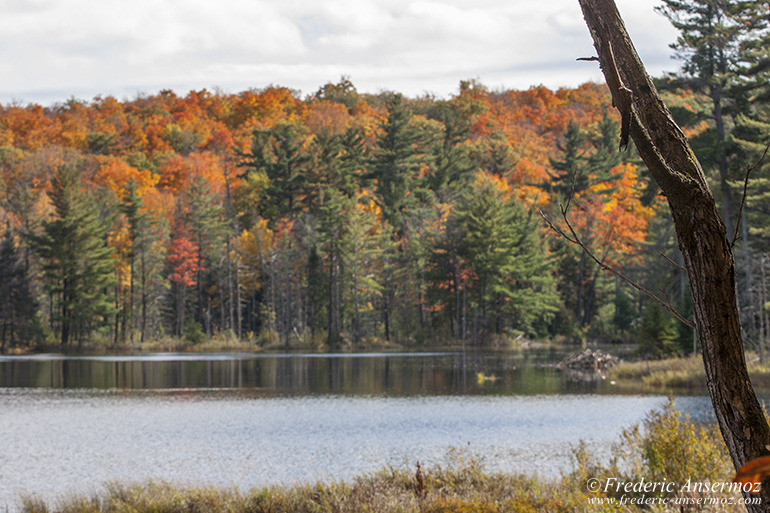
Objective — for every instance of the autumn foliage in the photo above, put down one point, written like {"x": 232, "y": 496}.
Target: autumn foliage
{"x": 341, "y": 212}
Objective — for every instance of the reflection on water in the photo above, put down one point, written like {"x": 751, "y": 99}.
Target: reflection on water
{"x": 362, "y": 374}
{"x": 70, "y": 424}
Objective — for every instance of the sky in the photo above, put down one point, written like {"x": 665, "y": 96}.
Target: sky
{"x": 53, "y": 50}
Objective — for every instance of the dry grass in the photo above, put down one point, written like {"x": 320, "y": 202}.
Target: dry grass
{"x": 679, "y": 374}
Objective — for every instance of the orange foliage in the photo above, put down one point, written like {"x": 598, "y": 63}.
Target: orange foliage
{"x": 254, "y": 247}
{"x": 754, "y": 472}
{"x": 527, "y": 172}
{"x": 220, "y": 138}
{"x": 529, "y": 196}
{"x": 263, "y": 108}
{"x": 327, "y": 117}
{"x": 617, "y": 218}
{"x": 499, "y": 183}
{"x": 177, "y": 172}
{"x": 28, "y": 128}
{"x": 114, "y": 174}
{"x": 174, "y": 173}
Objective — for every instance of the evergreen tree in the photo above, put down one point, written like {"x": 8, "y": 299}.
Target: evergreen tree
{"x": 365, "y": 246}
{"x": 76, "y": 261}
{"x": 504, "y": 251}
{"x": 279, "y": 154}
{"x": 17, "y": 303}
{"x": 204, "y": 215}
{"x": 394, "y": 167}
{"x": 332, "y": 229}
{"x": 141, "y": 257}
{"x": 571, "y": 175}
{"x": 625, "y": 313}
{"x": 657, "y": 332}
{"x": 752, "y": 131}
{"x": 584, "y": 163}
{"x": 335, "y": 162}
{"x": 395, "y": 163}
{"x": 453, "y": 162}
{"x": 750, "y": 138}
{"x": 605, "y": 155}
{"x": 708, "y": 46}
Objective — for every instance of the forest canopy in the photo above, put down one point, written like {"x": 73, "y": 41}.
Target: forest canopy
{"x": 340, "y": 219}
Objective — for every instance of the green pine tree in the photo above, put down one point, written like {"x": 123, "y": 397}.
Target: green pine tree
{"x": 585, "y": 162}
{"x": 657, "y": 332}
{"x": 365, "y": 245}
{"x": 394, "y": 161}
{"x": 503, "y": 248}
{"x": 205, "y": 217}
{"x": 76, "y": 261}
{"x": 279, "y": 154}
{"x": 332, "y": 230}
{"x": 708, "y": 45}
{"x": 17, "y": 303}
{"x": 453, "y": 164}
{"x": 142, "y": 260}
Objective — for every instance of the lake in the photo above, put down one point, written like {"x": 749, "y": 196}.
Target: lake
{"x": 70, "y": 424}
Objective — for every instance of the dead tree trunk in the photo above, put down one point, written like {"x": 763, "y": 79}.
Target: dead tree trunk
{"x": 700, "y": 231}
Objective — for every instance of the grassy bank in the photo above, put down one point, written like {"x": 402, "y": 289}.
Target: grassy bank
{"x": 666, "y": 445}
{"x": 220, "y": 342}
{"x": 679, "y": 374}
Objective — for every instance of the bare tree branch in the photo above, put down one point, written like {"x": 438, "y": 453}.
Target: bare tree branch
{"x": 745, "y": 191}
{"x": 575, "y": 239}
{"x": 677, "y": 265}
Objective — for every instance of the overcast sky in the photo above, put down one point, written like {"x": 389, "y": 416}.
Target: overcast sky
{"x": 52, "y": 50}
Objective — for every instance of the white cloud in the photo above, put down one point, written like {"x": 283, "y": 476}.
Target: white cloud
{"x": 52, "y": 50}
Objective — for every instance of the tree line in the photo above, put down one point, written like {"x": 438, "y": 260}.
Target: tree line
{"x": 344, "y": 219}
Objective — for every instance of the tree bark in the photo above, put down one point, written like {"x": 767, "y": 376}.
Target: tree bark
{"x": 700, "y": 231}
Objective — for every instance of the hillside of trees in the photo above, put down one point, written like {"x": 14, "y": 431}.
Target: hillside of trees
{"x": 341, "y": 220}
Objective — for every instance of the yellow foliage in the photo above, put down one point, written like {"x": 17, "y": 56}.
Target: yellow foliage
{"x": 500, "y": 184}
{"x": 254, "y": 245}
{"x": 529, "y": 196}
{"x": 120, "y": 241}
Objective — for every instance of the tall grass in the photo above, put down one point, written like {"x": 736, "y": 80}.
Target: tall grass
{"x": 679, "y": 373}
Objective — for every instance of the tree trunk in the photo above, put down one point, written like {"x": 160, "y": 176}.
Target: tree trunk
{"x": 238, "y": 301}
{"x": 716, "y": 93}
{"x": 144, "y": 297}
{"x": 763, "y": 327}
{"x": 700, "y": 231}
{"x": 332, "y": 312}
{"x": 749, "y": 315}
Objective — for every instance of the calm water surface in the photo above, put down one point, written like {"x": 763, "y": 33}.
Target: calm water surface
{"x": 71, "y": 424}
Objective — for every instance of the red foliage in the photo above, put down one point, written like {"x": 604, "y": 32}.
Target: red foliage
{"x": 182, "y": 257}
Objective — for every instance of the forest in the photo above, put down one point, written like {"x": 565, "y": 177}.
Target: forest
{"x": 345, "y": 220}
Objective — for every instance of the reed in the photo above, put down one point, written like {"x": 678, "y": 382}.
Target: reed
{"x": 683, "y": 373}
